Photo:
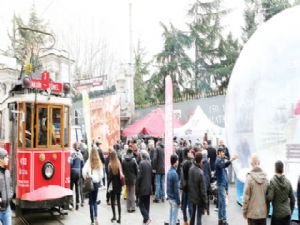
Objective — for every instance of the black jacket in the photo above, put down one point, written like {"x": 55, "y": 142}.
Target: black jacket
{"x": 130, "y": 169}
{"x": 197, "y": 189}
{"x": 143, "y": 183}
{"x": 184, "y": 179}
{"x": 212, "y": 155}
{"x": 159, "y": 160}
{"x": 115, "y": 181}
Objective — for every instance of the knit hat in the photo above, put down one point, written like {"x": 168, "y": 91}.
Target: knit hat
{"x": 3, "y": 153}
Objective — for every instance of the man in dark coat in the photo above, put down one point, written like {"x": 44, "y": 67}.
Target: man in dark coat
{"x": 184, "y": 181}
{"x": 197, "y": 190}
{"x": 143, "y": 186}
{"x": 151, "y": 150}
{"x": 280, "y": 194}
{"x": 211, "y": 154}
{"x": 130, "y": 170}
{"x": 76, "y": 169}
{"x": 159, "y": 169}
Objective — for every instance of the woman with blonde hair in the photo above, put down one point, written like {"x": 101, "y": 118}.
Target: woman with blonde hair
{"x": 115, "y": 175}
{"x": 93, "y": 168}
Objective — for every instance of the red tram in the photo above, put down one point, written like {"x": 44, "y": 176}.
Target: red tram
{"x": 35, "y": 130}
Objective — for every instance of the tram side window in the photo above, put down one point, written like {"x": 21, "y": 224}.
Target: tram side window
{"x": 55, "y": 128}
{"x": 28, "y": 125}
{"x": 43, "y": 123}
{"x": 66, "y": 127}
{"x": 21, "y": 124}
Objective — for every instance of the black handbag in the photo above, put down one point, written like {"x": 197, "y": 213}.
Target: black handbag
{"x": 88, "y": 185}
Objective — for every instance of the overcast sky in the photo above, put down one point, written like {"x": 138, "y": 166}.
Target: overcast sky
{"x": 107, "y": 20}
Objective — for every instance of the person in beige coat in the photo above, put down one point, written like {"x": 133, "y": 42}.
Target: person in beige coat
{"x": 255, "y": 207}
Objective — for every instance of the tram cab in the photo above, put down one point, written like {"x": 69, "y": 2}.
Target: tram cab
{"x": 36, "y": 132}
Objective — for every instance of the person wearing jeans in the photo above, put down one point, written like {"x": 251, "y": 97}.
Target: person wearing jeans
{"x": 93, "y": 168}
{"x": 222, "y": 183}
{"x": 159, "y": 170}
{"x": 173, "y": 190}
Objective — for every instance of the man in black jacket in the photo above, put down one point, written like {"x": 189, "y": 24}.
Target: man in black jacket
{"x": 184, "y": 181}
{"x": 143, "y": 186}
{"x": 197, "y": 190}
{"x": 5, "y": 189}
{"x": 130, "y": 170}
{"x": 159, "y": 169}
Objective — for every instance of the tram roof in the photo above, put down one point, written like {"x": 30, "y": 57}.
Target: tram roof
{"x": 39, "y": 98}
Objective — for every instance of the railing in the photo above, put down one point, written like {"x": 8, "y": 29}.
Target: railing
{"x": 185, "y": 97}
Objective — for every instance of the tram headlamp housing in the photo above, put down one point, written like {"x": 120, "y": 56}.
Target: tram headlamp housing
{"x": 48, "y": 170}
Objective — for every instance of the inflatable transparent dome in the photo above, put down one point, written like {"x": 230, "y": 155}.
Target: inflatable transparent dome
{"x": 263, "y": 99}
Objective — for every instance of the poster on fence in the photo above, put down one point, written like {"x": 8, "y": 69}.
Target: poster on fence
{"x": 105, "y": 120}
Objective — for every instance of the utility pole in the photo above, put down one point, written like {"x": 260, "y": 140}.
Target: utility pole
{"x": 131, "y": 81}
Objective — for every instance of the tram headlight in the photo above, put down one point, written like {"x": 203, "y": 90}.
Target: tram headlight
{"x": 48, "y": 170}
{"x": 26, "y": 82}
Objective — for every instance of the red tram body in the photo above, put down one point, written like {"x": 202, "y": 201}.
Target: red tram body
{"x": 35, "y": 129}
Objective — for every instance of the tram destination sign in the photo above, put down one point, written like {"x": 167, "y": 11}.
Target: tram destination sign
{"x": 45, "y": 83}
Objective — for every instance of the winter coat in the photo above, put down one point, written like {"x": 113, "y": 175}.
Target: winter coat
{"x": 207, "y": 173}
{"x": 280, "y": 193}
{"x": 159, "y": 160}
{"x": 95, "y": 174}
{"x": 130, "y": 169}
{"x": 76, "y": 163}
{"x": 197, "y": 189}
{"x": 220, "y": 172}
{"x": 212, "y": 155}
{"x": 254, "y": 198}
{"x": 115, "y": 181}
{"x": 143, "y": 183}
{"x": 184, "y": 179}
{"x": 5, "y": 189}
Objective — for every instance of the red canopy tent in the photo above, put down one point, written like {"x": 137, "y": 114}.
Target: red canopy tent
{"x": 153, "y": 124}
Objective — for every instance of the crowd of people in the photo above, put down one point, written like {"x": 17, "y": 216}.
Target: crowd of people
{"x": 137, "y": 169}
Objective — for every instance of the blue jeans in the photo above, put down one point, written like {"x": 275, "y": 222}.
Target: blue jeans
{"x": 173, "y": 212}
{"x": 160, "y": 186}
{"x": 186, "y": 204}
{"x": 93, "y": 202}
{"x": 222, "y": 203}
{"x": 5, "y": 216}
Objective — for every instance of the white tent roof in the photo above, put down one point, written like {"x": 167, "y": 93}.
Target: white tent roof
{"x": 197, "y": 126}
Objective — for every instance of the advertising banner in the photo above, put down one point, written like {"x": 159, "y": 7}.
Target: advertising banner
{"x": 168, "y": 122}
{"x": 105, "y": 120}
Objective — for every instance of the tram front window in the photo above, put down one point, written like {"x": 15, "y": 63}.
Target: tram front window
{"x": 55, "y": 128}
